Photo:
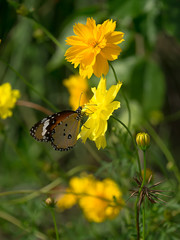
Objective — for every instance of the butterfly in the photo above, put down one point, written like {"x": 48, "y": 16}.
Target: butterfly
{"x": 61, "y": 129}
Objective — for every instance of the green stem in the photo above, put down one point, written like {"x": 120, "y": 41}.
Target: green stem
{"x": 55, "y": 225}
{"x": 165, "y": 150}
{"x": 20, "y": 224}
{"x": 48, "y": 33}
{"x": 125, "y": 99}
{"x": 115, "y": 75}
{"x": 142, "y": 185}
{"x": 144, "y": 217}
{"x": 144, "y": 177}
{"x": 30, "y": 86}
{"x": 137, "y": 205}
{"x": 135, "y": 146}
{"x": 137, "y": 217}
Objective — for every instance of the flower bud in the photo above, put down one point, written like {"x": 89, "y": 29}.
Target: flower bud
{"x": 50, "y": 202}
{"x": 149, "y": 174}
{"x": 143, "y": 140}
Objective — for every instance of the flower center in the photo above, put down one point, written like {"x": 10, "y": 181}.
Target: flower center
{"x": 97, "y": 44}
{"x": 93, "y": 43}
{"x": 90, "y": 108}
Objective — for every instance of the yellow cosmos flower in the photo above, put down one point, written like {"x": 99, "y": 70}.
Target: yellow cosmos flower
{"x": 77, "y": 85}
{"x": 99, "y": 109}
{"x": 67, "y": 200}
{"x": 99, "y": 200}
{"x": 103, "y": 201}
{"x": 8, "y": 98}
{"x": 93, "y": 46}
{"x": 77, "y": 187}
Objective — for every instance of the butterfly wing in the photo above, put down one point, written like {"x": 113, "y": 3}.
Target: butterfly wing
{"x": 42, "y": 130}
{"x": 64, "y": 134}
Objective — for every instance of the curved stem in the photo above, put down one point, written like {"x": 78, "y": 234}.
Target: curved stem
{"x": 30, "y": 85}
{"x": 114, "y": 72}
{"x": 55, "y": 40}
{"x": 34, "y": 106}
{"x": 165, "y": 150}
{"x": 16, "y": 222}
{"x": 48, "y": 33}
{"x": 136, "y": 150}
{"x": 125, "y": 99}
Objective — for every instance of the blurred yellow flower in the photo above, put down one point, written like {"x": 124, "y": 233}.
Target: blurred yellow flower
{"x": 99, "y": 109}
{"x": 103, "y": 201}
{"x": 66, "y": 200}
{"x": 99, "y": 200}
{"x": 93, "y": 46}
{"x": 79, "y": 185}
{"x": 76, "y": 86}
{"x": 8, "y": 98}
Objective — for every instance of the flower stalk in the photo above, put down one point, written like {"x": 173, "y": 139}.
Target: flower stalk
{"x": 55, "y": 224}
{"x": 134, "y": 143}
{"x": 125, "y": 99}
{"x": 143, "y": 182}
{"x": 34, "y": 106}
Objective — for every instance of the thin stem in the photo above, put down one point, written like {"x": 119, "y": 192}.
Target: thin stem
{"x": 38, "y": 192}
{"x": 30, "y": 85}
{"x": 128, "y": 107}
{"x": 137, "y": 205}
{"x": 34, "y": 106}
{"x": 137, "y": 217}
{"x": 125, "y": 99}
{"x": 16, "y": 222}
{"x": 114, "y": 72}
{"x": 143, "y": 182}
{"x": 55, "y": 225}
{"x": 55, "y": 40}
{"x": 144, "y": 177}
{"x": 136, "y": 150}
{"x": 165, "y": 150}
{"x": 48, "y": 33}
{"x": 144, "y": 218}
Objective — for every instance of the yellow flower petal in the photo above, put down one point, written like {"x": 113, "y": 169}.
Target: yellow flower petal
{"x": 108, "y": 26}
{"x": 101, "y": 142}
{"x": 112, "y": 92}
{"x": 99, "y": 109}
{"x": 115, "y": 37}
{"x": 101, "y": 66}
{"x": 111, "y": 52}
{"x": 92, "y": 46}
{"x": 78, "y": 89}
{"x": 8, "y": 98}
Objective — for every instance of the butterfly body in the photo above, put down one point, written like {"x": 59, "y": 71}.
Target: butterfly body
{"x": 61, "y": 129}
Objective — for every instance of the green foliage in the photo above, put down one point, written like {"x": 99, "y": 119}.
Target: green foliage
{"x": 32, "y": 62}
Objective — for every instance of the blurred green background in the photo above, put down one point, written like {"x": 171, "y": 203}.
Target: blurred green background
{"x": 149, "y": 67}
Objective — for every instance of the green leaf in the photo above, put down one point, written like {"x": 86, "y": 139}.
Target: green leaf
{"x": 154, "y": 87}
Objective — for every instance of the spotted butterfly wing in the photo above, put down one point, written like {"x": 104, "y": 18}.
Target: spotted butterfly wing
{"x": 61, "y": 129}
